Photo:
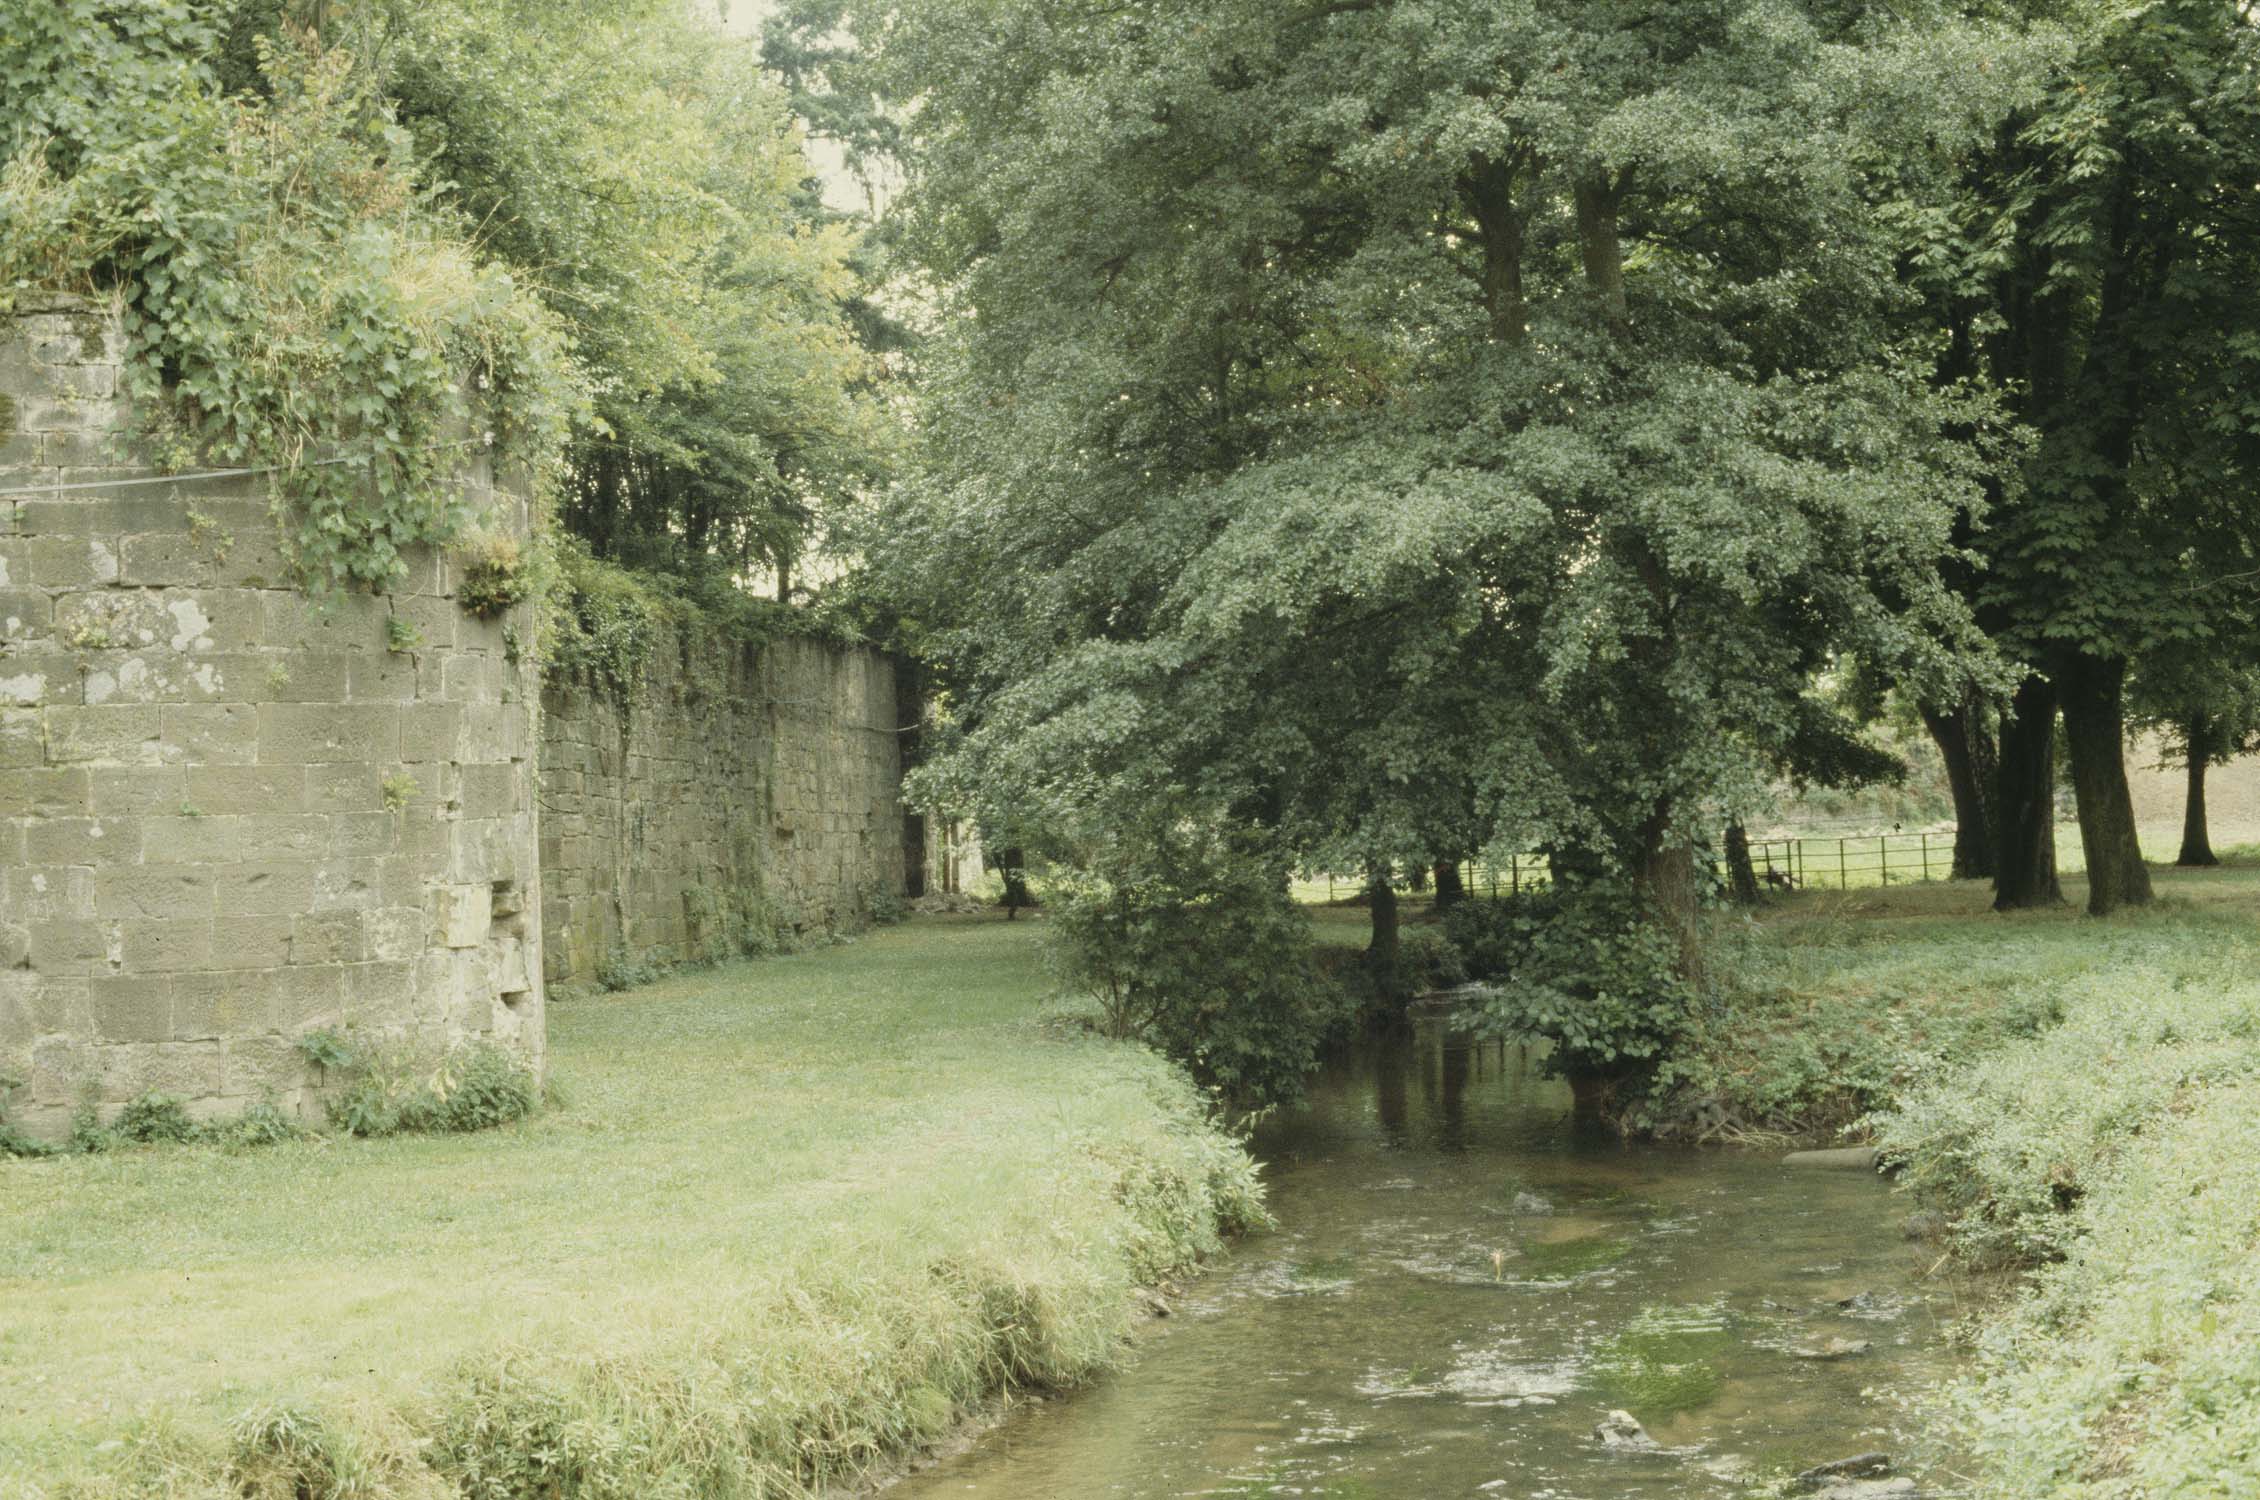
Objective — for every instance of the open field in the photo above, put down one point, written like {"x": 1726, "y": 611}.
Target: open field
{"x": 788, "y": 1219}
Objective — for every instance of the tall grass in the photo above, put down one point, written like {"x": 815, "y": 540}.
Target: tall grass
{"x": 2081, "y": 1099}
{"x": 793, "y": 1220}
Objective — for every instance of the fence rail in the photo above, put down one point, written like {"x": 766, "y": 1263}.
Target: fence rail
{"x": 1780, "y": 864}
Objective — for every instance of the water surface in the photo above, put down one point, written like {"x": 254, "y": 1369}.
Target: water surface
{"x": 1461, "y": 1288}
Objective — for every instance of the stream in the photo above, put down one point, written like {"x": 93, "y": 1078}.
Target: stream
{"x": 1460, "y": 1288}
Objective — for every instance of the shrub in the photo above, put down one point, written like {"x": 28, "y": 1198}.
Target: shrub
{"x": 1588, "y": 968}
{"x": 473, "y": 1087}
{"x": 493, "y": 576}
{"x": 1197, "y": 949}
{"x": 1428, "y": 959}
{"x": 152, "y": 1118}
{"x": 13, "y": 1141}
{"x": 623, "y": 969}
{"x": 885, "y": 904}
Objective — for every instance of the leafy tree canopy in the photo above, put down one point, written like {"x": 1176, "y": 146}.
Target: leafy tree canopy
{"x": 1406, "y": 426}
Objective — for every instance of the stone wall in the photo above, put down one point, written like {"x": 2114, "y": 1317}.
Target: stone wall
{"x": 228, "y": 816}
{"x": 734, "y": 791}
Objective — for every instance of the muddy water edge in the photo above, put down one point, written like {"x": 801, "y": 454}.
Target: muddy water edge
{"x": 1461, "y": 1287}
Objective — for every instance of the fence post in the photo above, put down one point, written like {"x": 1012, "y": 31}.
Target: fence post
{"x": 1843, "y": 871}
{"x": 1883, "y": 856}
{"x": 1514, "y": 875}
{"x": 1926, "y": 859}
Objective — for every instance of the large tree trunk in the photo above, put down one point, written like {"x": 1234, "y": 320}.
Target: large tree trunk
{"x": 1449, "y": 891}
{"x": 2092, "y": 694}
{"x": 1968, "y": 753}
{"x": 1666, "y": 875}
{"x": 2024, "y": 872}
{"x": 2197, "y": 843}
{"x": 1488, "y": 185}
{"x": 1742, "y": 876}
{"x": 1013, "y": 865}
{"x": 1381, "y": 952}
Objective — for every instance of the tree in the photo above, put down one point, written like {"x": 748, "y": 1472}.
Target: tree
{"x": 1966, "y": 732}
{"x": 2106, "y": 283}
{"x": 2204, "y": 707}
{"x": 1335, "y": 393}
{"x": 633, "y": 160}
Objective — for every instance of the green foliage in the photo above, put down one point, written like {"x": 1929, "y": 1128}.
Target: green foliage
{"x": 1821, "y": 1020}
{"x": 1494, "y": 451}
{"x": 402, "y": 635}
{"x": 261, "y": 1123}
{"x": 292, "y": 297}
{"x": 622, "y": 969}
{"x": 160, "y": 1119}
{"x": 399, "y": 790}
{"x": 1583, "y": 966}
{"x": 2127, "y": 1370}
{"x": 153, "y": 1118}
{"x": 13, "y": 1140}
{"x": 1428, "y": 959}
{"x": 1196, "y": 948}
{"x": 884, "y": 904}
{"x": 493, "y": 575}
{"x": 473, "y": 1087}
{"x": 606, "y": 620}
{"x": 2011, "y": 1141}
{"x": 328, "y": 1048}
{"x": 286, "y": 1452}
{"x": 731, "y": 406}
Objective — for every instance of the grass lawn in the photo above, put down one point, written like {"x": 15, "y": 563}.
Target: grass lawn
{"x": 788, "y": 1218}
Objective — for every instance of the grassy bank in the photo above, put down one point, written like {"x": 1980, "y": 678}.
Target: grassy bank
{"x": 790, "y": 1220}
{"x": 2080, "y": 1100}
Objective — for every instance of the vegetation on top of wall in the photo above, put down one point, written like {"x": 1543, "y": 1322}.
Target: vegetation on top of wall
{"x": 605, "y": 619}
{"x": 293, "y": 296}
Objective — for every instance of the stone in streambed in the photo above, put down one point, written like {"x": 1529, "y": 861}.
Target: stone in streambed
{"x": 1843, "y": 1479}
{"x": 1832, "y": 1349}
{"x": 1620, "y": 1429}
{"x": 1840, "y": 1159}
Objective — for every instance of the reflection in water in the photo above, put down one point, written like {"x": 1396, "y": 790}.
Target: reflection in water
{"x": 1461, "y": 1287}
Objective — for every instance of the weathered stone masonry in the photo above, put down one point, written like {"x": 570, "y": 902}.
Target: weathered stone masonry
{"x": 732, "y": 790}
{"x": 228, "y": 817}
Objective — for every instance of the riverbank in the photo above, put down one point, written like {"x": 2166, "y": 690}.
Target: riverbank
{"x": 2074, "y": 1099}
{"x": 789, "y": 1221}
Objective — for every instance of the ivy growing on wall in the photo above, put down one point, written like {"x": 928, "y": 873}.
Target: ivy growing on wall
{"x": 292, "y": 298}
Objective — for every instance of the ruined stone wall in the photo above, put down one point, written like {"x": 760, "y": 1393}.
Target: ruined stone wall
{"x": 228, "y": 816}
{"x": 733, "y": 791}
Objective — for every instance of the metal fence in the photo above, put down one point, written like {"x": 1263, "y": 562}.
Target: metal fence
{"x": 1854, "y": 863}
